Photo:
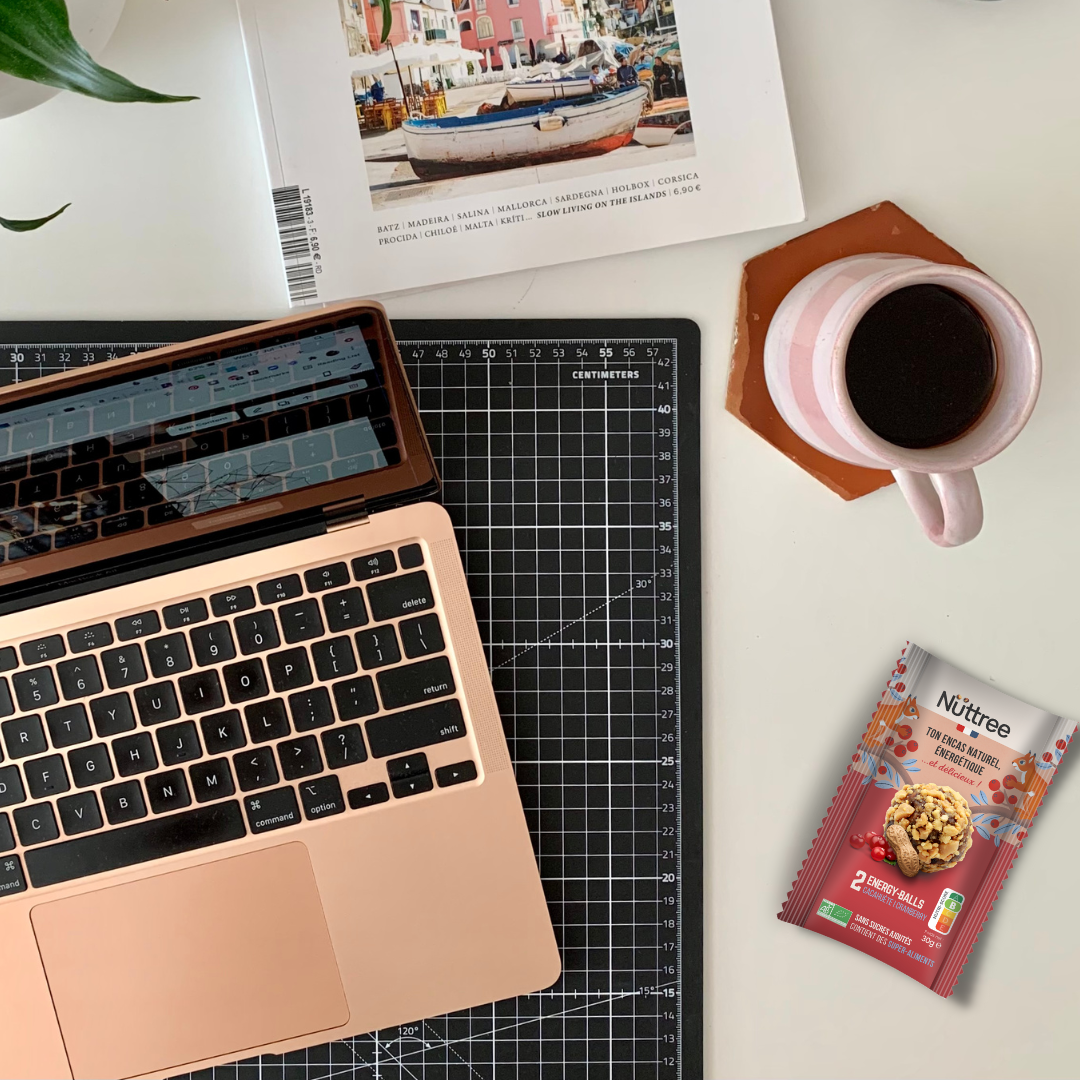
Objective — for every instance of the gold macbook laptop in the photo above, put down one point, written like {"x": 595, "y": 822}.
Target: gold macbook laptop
{"x": 254, "y": 792}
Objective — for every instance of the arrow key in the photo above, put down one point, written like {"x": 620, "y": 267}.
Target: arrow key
{"x": 461, "y": 773}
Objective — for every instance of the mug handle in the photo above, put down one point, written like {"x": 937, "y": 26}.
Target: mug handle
{"x": 948, "y": 505}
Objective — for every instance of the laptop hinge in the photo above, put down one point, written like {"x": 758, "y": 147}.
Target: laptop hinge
{"x": 344, "y": 515}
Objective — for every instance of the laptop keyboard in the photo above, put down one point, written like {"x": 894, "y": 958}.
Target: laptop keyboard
{"x": 213, "y": 718}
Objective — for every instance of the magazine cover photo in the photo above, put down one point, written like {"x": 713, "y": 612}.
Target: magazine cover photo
{"x": 462, "y": 97}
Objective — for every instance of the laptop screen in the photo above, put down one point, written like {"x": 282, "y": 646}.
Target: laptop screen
{"x": 189, "y": 437}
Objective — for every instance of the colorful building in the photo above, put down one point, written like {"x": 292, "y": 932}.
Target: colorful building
{"x": 523, "y": 29}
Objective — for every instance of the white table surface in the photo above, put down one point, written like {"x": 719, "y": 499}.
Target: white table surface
{"x": 965, "y": 113}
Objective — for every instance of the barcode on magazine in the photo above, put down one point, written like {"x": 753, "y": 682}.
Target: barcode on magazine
{"x": 295, "y": 245}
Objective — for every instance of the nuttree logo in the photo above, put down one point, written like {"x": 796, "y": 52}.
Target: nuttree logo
{"x": 975, "y": 721}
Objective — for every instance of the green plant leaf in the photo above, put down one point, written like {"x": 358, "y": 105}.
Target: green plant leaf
{"x": 14, "y": 225}
{"x": 387, "y": 19}
{"x": 36, "y": 44}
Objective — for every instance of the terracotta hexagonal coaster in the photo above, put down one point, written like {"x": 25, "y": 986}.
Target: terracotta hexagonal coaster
{"x": 767, "y": 279}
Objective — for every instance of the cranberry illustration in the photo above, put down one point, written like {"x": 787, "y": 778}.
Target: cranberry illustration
{"x": 877, "y": 840}
{"x": 854, "y": 757}
{"x": 1021, "y": 835}
{"x": 869, "y": 835}
{"x": 1012, "y": 798}
{"x": 1009, "y": 781}
{"x": 912, "y": 746}
{"x": 857, "y": 840}
{"x": 904, "y": 731}
{"x": 901, "y": 669}
{"x": 882, "y": 770}
{"x": 901, "y": 687}
{"x": 877, "y": 854}
{"x": 999, "y": 796}
{"x": 993, "y": 785}
{"x": 1048, "y": 757}
{"x": 995, "y": 822}
{"x": 1061, "y": 744}
{"x": 889, "y": 741}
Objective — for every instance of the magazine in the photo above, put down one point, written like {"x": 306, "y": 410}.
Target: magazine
{"x": 474, "y": 137}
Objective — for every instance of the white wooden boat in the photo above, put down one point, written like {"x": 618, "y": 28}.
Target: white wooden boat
{"x": 511, "y": 138}
{"x": 656, "y": 128}
{"x": 547, "y": 88}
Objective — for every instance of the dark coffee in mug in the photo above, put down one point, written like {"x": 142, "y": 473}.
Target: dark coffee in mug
{"x": 920, "y": 367}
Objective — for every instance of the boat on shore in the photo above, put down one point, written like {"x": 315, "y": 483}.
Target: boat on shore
{"x": 547, "y": 88}
{"x": 509, "y": 138}
{"x": 667, "y": 118}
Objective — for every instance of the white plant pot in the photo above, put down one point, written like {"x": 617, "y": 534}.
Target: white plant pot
{"x": 92, "y": 23}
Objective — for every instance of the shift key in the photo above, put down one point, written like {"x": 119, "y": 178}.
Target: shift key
{"x": 398, "y": 733}
{"x": 404, "y": 595}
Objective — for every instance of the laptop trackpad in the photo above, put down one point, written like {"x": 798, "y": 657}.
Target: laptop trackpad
{"x": 212, "y": 960}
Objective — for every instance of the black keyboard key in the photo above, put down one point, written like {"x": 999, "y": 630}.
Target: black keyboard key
{"x": 48, "y": 461}
{"x": 371, "y": 795}
{"x": 100, "y": 504}
{"x": 377, "y": 565}
{"x": 42, "y": 650}
{"x": 266, "y": 720}
{"x": 410, "y": 556}
{"x": 91, "y": 637}
{"x": 300, "y": 757}
{"x": 327, "y": 577}
{"x": 322, "y": 798}
{"x": 206, "y": 444}
{"x": 134, "y": 754}
{"x": 178, "y": 743}
{"x": 413, "y": 729}
{"x": 327, "y": 413}
{"x": 282, "y": 425}
{"x": 421, "y": 636}
{"x": 163, "y": 456}
{"x": 345, "y": 610}
{"x": 7, "y": 843}
{"x": 157, "y": 703}
{"x": 377, "y": 646}
{"x": 79, "y": 813}
{"x": 32, "y": 545}
{"x": 8, "y": 497}
{"x": 289, "y": 670}
{"x": 283, "y": 588}
{"x": 17, "y": 523}
{"x": 405, "y": 595}
{"x": 90, "y": 765}
{"x": 35, "y": 689}
{"x": 271, "y": 810}
{"x": 412, "y": 785}
{"x": 11, "y": 787}
{"x": 461, "y": 773}
{"x": 334, "y": 658}
{"x": 13, "y": 469}
{"x": 168, "y": 655}
{"x": 112, "y": 715}
{"x": 80, "y": 478}
{"x": 354, "y": 698}
{"x": 311, "y": 709}
{"x": 24, "y": 736}
{"x": 62, "y": 512}
{"x": 167, "y": 791}
{"x": 140, "y": 493}
{"x": 68, "y": 726}
{"x": 123, "y": 666}
{"x": 123, "y": 802}
{"x": 228, "y": 603}
{"x": 137, "y": 626}
{"x": 403, "y": 767}
{"x": 122, "y": 523}
{"x": 212, "y": 780}
{"x": 201, "y": 692}
{"x": 245, "y": 681}
{"x": 256, "y": 768}
{"x": 414, "y": 683}
{"x": 157, "y": 838}
{"x": 35, "y": 824}
{"x": 186, "y": 613}
{"x": 79, "y": 677}
{"x": 344, "y": 746}
{"x": 223, "y": 732}
{"x": 213, "y": 644}
{"x": 37, "y": 489}
{"x": 241, "y": 436}
{"x": 7, "y": 706}
{"x": 257, "y": 632}
{"x": 77, "y": 534}
{"x": 8, "y": 659}
{"x": 118, "y": 470}
{"x": 300, "y": 621}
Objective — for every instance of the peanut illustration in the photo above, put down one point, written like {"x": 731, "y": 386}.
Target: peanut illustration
{"x": 906, "y": 856}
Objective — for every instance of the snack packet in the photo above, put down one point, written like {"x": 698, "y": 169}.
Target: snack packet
{"x": 928, "y": 820}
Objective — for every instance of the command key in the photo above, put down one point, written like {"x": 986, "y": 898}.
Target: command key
{"x": 11, "y": 875}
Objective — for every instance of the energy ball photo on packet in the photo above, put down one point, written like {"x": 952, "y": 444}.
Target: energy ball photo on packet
{"x": 929, "y": 818}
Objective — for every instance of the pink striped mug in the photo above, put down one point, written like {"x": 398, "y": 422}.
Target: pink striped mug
{"x": 805, "y": 359}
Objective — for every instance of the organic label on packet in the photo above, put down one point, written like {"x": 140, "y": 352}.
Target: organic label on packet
{"x": 933, "y": 810}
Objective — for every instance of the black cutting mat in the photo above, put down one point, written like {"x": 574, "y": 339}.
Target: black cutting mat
{"x": 569, "y": 453}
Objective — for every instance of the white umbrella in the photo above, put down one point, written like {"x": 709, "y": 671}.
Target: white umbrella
{"x": 373, "y": 64}
{"x": 449, "y": 53}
